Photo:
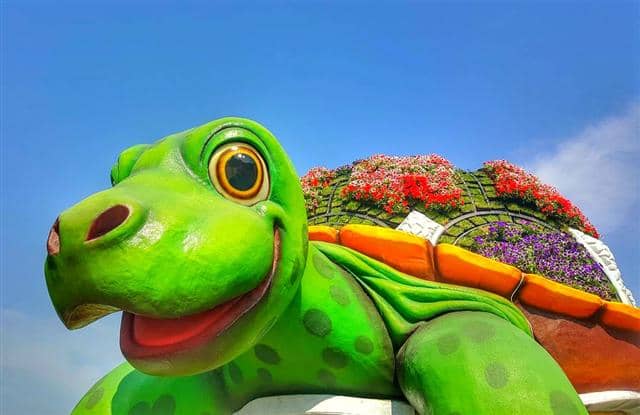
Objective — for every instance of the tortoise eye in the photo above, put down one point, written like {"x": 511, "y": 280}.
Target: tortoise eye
{"x": 239, "y": 172}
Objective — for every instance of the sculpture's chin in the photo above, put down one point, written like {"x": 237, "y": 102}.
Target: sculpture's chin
{"x": 153, "y": 338}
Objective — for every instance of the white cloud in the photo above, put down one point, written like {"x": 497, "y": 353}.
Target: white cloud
{"x": 47, "y": 369}
{"x": 598, "y": 169}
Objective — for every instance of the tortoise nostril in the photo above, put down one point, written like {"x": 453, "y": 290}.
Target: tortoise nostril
{"x": 107, "y": 221}
{"x": 53, "y": 241}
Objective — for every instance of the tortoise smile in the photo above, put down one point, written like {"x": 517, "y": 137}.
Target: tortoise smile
{"x": 147, "y": 337}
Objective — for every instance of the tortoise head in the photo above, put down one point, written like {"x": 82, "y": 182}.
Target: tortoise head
{"x": 201, "y": 242}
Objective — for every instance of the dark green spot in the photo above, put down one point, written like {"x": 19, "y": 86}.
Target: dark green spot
{"x": 323, "y": 266}
{"x": 267, "y": 354}
{"x": 479, "y": 332}
{"x": 141, "y": 408}
{"x": 264, "y": 376}
{"x": 364, "y": 345}
{"x": 164, "y": 405}
{"x": 448, "y": 344}
{"x": 94, "y": 398}
{"x": 215, "y": 379}
{"x": 339, "y": 295}
{"x": 317, "y": 322}
{"x": 235, "y": 373}
{"x": 335, "y": 357}
{"x": 496, "y": 375}
{"x": 326, "y": 377}
{"x": 561, "y": 404}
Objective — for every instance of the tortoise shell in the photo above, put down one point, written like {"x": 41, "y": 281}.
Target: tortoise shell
{"x": 469, "y": 212}
{"x": 594, "y": 338}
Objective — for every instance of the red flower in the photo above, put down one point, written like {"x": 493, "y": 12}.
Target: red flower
{"x": 512, "y": 181}
{"x": 395, "y": 183}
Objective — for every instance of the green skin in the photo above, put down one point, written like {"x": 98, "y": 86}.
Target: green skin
{"x": 331, "y": 320}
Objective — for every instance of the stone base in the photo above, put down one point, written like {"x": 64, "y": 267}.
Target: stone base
{"x": 611, "y": 402}
{"x": 324, "y": 405}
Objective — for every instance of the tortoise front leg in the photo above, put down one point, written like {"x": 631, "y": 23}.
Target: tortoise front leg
{"x": 126, "y": 391}
{"x": 477, "y": 363}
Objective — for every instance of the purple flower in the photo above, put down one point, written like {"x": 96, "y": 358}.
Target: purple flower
{"x": 537, "y": 250}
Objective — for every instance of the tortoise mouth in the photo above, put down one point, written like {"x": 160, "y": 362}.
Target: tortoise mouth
{"x": 144, "y": 337}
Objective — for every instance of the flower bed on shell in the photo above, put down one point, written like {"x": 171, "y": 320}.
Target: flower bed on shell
{"x": 513, "y": 182}
{"x": 395, "y": 184}
{"x": 553, "y": 254}
{"x": 313, "y": 182}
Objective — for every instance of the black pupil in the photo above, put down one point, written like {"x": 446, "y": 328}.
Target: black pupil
{"x": 241, "y": 171}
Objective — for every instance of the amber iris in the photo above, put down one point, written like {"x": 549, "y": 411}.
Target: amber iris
{"x": 238, "y": 171}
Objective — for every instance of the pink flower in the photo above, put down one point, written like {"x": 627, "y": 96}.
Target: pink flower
{"x": 312, "y": 183}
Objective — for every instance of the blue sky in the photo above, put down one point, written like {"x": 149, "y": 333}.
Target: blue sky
{"x": 552, "y": 86}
